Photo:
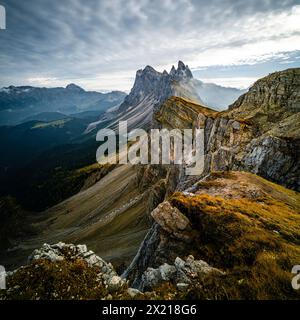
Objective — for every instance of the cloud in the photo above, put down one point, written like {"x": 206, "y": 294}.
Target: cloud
{"x": 245, "y": 74}
{"x": 99, "y": 44}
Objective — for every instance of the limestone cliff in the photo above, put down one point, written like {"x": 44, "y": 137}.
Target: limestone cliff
{"x": 259, "y": 133}
{"x": 236, "y": 220}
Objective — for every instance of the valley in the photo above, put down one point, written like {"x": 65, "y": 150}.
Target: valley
{"x": 151, "y": 220}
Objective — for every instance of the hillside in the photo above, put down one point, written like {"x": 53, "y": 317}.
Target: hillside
{"x": 108, "y": 215}
{"x": 237, "y": 236}
{"x": 231, "y": 233}
{"x": 236, "y": 222}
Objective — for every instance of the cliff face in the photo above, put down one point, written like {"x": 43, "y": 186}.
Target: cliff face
{"x": 271, "y": 98}
{"x": 259, "y": 133}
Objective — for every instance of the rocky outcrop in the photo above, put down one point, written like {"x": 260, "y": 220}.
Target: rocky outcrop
{"x": 181, "y": 113}
{"x": 259, "y": 133}
{"x": 172, "y": 221}
{"x": 274, "y": 96}
{"x": 181, "y": 273}
{"x": 62, "y": 251}
{"x": 234, "y": 221}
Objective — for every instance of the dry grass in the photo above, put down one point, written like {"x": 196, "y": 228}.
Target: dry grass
{"x": 60, "y": 280}
{"x": 256, "y": 241}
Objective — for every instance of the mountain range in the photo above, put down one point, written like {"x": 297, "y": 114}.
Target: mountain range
{"x": 235, "y": 227}
{"x": 151, "y": 88}
{"x": 19, "y": 103}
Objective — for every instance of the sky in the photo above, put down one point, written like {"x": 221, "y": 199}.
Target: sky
{"x": 100, "y": 44}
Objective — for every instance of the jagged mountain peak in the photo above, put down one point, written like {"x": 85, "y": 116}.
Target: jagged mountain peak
{"x": 149, "y": 69}
{"x": 151, "y": 88}
{"x": 147, "y": 73}
{"x": 181, "y": 65}
{"x": 182, "y": 72}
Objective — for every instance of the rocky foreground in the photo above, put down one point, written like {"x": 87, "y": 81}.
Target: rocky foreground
{"x": 66, "y": 271}
{"x": 233, "y": 235}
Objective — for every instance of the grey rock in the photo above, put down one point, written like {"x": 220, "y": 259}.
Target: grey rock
{"x": 167, "y": 271}
{"x": 183, "y": 272}
{"x": 172, "y": 221}
{"x": 114, "y": 283}
{"x": 133, "y": 292}
{"x": 81, "y": 248}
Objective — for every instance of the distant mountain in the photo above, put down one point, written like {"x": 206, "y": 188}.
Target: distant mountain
{"x": 19, "y": 103}
{"x": 216, "y": 96}
{"x": 151, "y": 88}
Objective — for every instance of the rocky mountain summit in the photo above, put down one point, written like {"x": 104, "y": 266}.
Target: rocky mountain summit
{"x": 151, "y": 88}
{"x": 149, "y": 82}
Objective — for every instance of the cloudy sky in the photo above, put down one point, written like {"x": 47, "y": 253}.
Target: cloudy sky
{"x": 99, "y": 44}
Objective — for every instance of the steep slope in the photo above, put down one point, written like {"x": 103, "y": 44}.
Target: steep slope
{"x": 110, "y": 216}
{"x": 235, "y": 221}
{"x": 236, "y": 236}
{"x": 183, "y": 114}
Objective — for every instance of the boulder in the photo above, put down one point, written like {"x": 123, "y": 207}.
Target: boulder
{"x": 172, "y": 221}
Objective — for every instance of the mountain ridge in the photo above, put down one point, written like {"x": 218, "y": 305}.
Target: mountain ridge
{"x": 18, "y": 103}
